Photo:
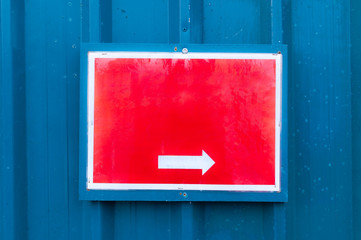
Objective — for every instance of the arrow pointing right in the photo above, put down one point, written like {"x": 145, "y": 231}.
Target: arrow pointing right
{"x": 203, "y": 162}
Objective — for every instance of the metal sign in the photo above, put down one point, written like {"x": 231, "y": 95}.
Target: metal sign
{"x": 191, "y": 121}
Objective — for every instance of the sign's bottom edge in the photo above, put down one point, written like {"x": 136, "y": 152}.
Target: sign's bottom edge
{"x": 182, "y": 187}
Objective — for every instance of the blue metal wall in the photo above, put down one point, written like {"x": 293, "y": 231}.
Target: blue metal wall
{"x": 39, "y": 99}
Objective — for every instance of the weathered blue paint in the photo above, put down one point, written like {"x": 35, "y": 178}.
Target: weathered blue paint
{"x": 39, "y": 121}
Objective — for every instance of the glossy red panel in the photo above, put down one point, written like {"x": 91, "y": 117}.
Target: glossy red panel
{"x": 144, "y": 108}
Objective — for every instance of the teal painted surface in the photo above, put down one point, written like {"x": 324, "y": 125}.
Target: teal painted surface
{"x": 39, "y": 121}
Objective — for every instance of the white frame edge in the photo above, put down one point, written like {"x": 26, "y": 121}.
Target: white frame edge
{"x": 177, "y": 55}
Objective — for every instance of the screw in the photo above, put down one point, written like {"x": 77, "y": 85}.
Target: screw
{"x": 184, "y": 50}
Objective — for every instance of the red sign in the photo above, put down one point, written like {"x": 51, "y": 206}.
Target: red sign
{"x": 196, "y": 121}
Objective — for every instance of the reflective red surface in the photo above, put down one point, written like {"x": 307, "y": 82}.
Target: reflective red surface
{"x": 150, "y": 107}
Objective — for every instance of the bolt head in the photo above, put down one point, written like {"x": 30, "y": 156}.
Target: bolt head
{"x": 184, "y": 50}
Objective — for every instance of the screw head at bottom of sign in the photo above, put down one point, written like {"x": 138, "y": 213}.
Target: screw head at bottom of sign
{"x": 185, "y": 195}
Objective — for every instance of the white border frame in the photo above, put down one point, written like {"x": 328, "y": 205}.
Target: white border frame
{"x": 177, "y": 55}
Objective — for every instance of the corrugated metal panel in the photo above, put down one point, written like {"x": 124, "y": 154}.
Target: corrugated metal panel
{"x": 39, "y": 42}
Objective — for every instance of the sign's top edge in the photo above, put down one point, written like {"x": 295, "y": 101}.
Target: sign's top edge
{"x": 180, "y": 55}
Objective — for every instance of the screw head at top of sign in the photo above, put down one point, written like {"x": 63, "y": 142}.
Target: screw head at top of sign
{"x": 184, "y": 50}
{"x": 278, "y": 53}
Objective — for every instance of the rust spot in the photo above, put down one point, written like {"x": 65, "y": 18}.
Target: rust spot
{"x": 175, "y": 49}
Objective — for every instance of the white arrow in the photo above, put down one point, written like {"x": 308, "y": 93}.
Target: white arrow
{"x": 203, "y": 162}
